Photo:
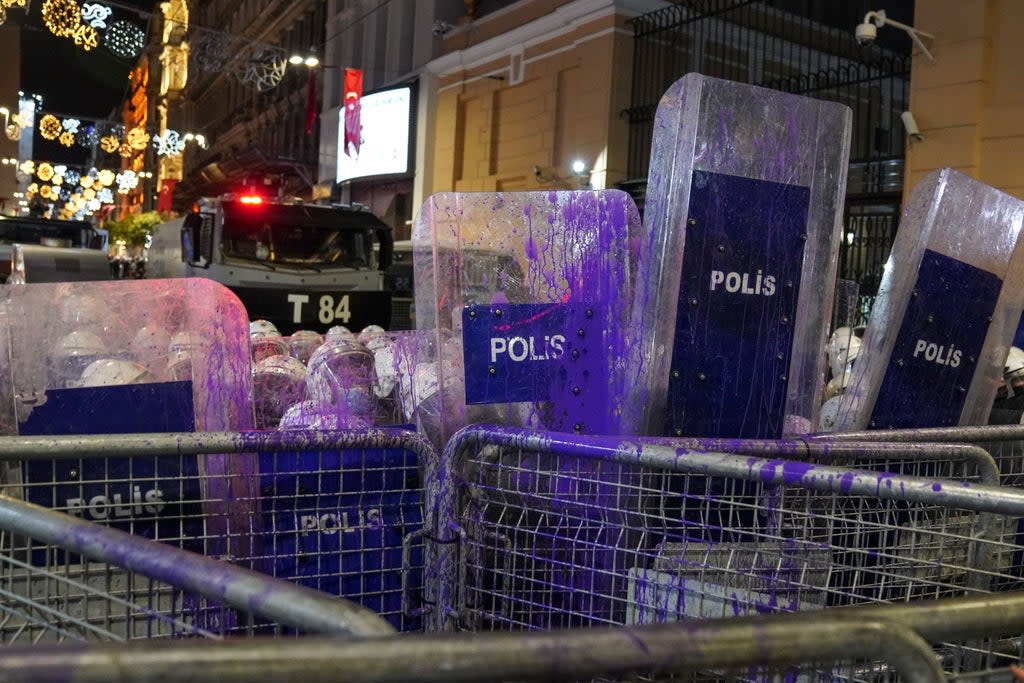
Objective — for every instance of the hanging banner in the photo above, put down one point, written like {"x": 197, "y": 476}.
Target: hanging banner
{"x": 353, "y": 93}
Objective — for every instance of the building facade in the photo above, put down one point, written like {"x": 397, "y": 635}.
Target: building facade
{"x": 526, "y": 93}
{"x": 969, "y": 102}
{"x": 10, "y": 56}
{"x": 244, "y": 97}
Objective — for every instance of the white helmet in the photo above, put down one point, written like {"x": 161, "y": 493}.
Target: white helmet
{"x": 343, "y": 362}
{"x": 179, "y": 350}
{"x": 278, "y": 383}
{"x": 842, "y": 349}
{"x": 370, "y": 332}
{"x": 317, "y": 415}
{"x": 1013, "y": 368}
{"x": 112, "y": 372}
{"x": 339, "y": 332}
{"x": 303, "y": 343}
{"x": 263, "y": 328}
{"x": 341, "y": 374}
{"x": 73, "y": 353}
{"x": 152, "y": 341}
{"x": 85, "y": 312}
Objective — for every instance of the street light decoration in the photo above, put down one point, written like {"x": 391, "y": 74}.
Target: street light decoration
{"x": 169, "y": 144}
{"x": 127, "y": 181}
{"x": 95, "y": 14}
{"x": 87, "y": 137}
{"x": 137, "y": 138}
{"x": 86, "y": 37}
{"x": 62, "y": 17}
{"x": 124, "y": 39}
{"x": 49, "y": 127}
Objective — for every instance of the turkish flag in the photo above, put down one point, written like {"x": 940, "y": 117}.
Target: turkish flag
{"x": 353, "y": 93}
{"x": 163, "y": 204}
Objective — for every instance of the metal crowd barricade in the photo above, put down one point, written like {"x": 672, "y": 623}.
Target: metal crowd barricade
{"x": 111, "y": 585}
{"x": 1005, "y": 444}
{"x": 338, "y": 512}
{"x": 539, "y": 531}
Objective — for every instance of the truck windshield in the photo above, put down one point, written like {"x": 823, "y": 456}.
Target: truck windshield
{"x": 277, "y": 243}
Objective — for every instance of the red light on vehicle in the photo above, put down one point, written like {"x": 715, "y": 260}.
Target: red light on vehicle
{"x": 251, "y": 199}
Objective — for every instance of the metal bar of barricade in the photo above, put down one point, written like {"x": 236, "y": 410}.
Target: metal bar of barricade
{"x": 116, "y": 445}
{"x": 972, "y": 434}
{"x": 734, "y": 644}
{"x": 240, "y": 588}
{"x": 841, "y": 451}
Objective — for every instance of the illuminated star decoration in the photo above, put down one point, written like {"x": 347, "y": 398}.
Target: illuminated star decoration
{"x": 28, "y": 167}
{"x": 137, "y": 138}
{"x": 94, "y": 204}
{"x": 110, "y": 143}
{"x": 49, "y": 127}
{"x": 106, "y": 177}
{"x": 88, "y": 193}
{"x": 127, "y": 181}
{"x": 86, "y": 182}
{"x": 86, "y": 37}
{"x": 95, "y": 14}
{"x": 126, "y": 151}
{"x": 59, "y": 170}
{"x": 62, "y": 17}
{"x": 71, "y": 125}
{"x": 44, "y": 171}
{"x": 72, "y": 177}
{"x": 124, "y": 39}
{"x": 168, "y": 144}
{"x": 67, "y": 138}
{"x": 105, "y": 196}
{"x": 87, "y": 136}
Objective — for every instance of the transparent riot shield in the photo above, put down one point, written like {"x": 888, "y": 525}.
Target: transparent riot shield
{"x": 946, "y": 312}
{"x": 528, "y": 297}
{"x": 742, "y": 223}
{"x": 132, "y": 356}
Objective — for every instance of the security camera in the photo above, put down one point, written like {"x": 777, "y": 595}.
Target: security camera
{"x": 441, "y": 27}
{"x": 866, "y": 33}
{"x": 910, "y": 125}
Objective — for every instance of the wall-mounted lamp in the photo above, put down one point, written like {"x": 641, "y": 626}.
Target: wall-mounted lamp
{"x": 867, "y": 31}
